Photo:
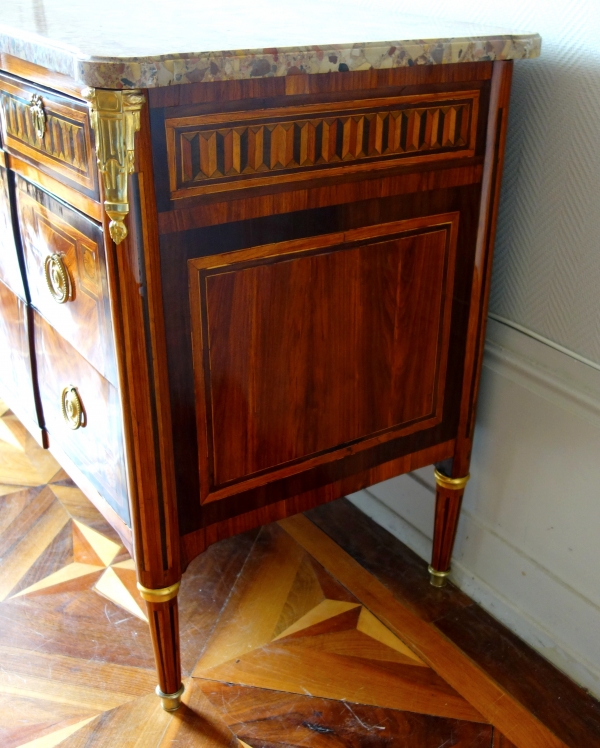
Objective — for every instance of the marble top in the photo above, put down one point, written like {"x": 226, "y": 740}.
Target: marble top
{"x": 147, "y": 43}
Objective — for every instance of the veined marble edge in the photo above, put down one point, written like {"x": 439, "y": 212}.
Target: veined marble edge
{"x": 171, "y": 69}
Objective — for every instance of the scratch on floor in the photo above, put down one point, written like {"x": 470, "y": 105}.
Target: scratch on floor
{"x": 359, "y": 720}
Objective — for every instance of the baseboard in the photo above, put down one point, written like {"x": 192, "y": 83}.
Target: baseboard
{"x": 527, "y": 548}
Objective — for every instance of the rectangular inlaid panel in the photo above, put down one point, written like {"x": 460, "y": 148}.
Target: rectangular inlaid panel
{"x": 10, "y": 272}
{"x": 226, "y": 151}
{"x": 54, "y": 236}
{"x": 16, "y": 385}
{"x": 307, "y": 351}
{"x": 96, "y": 446}
{"x": 66, "y": 149}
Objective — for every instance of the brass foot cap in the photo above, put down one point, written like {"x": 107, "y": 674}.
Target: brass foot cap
{"x": 170, "y": 701}
{"x": 438, "y": 578}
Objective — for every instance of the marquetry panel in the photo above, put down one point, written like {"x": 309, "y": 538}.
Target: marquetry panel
{"x": 96, "y": 447}
{"x": 48, "y": 228}
{"x": 10, "y": 272}
{"x": 216, "y": 152}
{"x": 66, "y": 148}
{"x": 307, "y": 351}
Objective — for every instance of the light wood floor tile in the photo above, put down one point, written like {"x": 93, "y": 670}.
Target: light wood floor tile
{"x": 287, "y": 641}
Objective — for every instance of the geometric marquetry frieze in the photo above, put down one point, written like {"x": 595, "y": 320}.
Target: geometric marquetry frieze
{"x": 210, "y": 153}
{"x": 66, "y": 145}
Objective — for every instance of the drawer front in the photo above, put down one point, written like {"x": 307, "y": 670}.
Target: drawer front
{"x": 308, "y": 351}
{"x": 50, "y": 131}
{"x": 66, "y": 272}
{"x": 16, "y": 385}
{"x": 10, "y": 272}
{"x": 94, "y": 440}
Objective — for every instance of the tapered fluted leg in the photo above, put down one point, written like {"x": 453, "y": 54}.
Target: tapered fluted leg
{"x": 164, "y": 629}
{"x": 448, "y": 500}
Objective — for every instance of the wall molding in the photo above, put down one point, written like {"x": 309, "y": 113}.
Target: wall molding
{"x": 533, "y": 578}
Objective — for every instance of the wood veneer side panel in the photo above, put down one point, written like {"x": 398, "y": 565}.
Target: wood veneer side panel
{"x": 350, "y": 417}
{"x": 196, "y": 542}
{"x": 136, "y": 306}
{"x": 488, "y": 215}
{"x": 337, "y": 192}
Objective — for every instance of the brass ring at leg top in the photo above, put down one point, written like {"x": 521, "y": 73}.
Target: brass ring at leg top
{"x": 454, "y": 483}
{"x": 161, "y": 595}
{"x": 170, "y": 701}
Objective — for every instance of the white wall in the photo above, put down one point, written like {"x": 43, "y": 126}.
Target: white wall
{"x": 528, "y": 545}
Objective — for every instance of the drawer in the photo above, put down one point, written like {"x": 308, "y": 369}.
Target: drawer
{"x": 50, "y": 131}
{"x": 16, "y": 386}
{"x": 66, "y": 273}
{"x": 93, "y": 440}
{"x": 10, "y": 272}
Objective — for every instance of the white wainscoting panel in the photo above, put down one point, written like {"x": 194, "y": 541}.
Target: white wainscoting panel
{"x": 528, "y": 544}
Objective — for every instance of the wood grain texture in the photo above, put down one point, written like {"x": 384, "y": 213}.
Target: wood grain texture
{"x": 97, "y": 446}
{"x": 300, "y": 499}
{"x": 287, "y": 361}
{"x": 66, "y": 151}
{"x": 48, "y": 227}
{"x": 82, "y": 675}
{"x": 488, "y": 214}
{"x": 16, "y": 374}
{"x": 40, "y": 75}
{"x": 447, "y": 511}
{"x": 217, "y": 152}
{"x": 137, "y": 315}
{"x": 276, "y": 719}
{"x": 494, "y": 703}
{"x": 92, "y": 208}
{"x": 10, "y": 268}
{"x": 178, "y": 249}
{"x": 330, "y": 84}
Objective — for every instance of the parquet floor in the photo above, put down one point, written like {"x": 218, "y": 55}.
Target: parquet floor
{"x": 318, "y": 631}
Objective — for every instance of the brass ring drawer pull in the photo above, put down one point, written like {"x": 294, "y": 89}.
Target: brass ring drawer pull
{"x": 38, "y": 115}
{"x": 57, "y": 278}
{"x": 71, "y": 407}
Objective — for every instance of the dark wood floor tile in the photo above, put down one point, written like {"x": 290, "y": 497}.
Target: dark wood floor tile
{"x": 14, "y": 503}
{"x": 57, "y": 555}
{"x": 271, "y": 719}
{"x": 83, "y": 625}
{"x": 197, "y": 724}
{"x": 25, "y": 718}
{"x": 393, "y": 563}
{"x": 568, "y": 710}
{"x": 138, "y": 724}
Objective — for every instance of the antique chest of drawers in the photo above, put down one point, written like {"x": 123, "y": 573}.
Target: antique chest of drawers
{"x": 232, "y": 288}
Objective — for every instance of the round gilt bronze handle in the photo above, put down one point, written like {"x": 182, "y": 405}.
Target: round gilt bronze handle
{"x": 71, "y": 407}
{"x": 57, "y": 278}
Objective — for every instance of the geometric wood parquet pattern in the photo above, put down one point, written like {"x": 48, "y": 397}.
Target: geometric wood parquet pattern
{"x": 281, "y": 645}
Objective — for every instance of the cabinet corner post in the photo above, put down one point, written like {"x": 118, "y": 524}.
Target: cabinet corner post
{"x": 115, "y": 118}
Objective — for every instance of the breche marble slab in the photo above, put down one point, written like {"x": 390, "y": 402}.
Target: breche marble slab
{"x": 148, "y": 43}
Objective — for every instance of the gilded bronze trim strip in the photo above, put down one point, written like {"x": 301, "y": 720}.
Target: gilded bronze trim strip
{"x": 453, "y": 483}
{"x": 115, "y": 117}
{"x": 161, "y": 595}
